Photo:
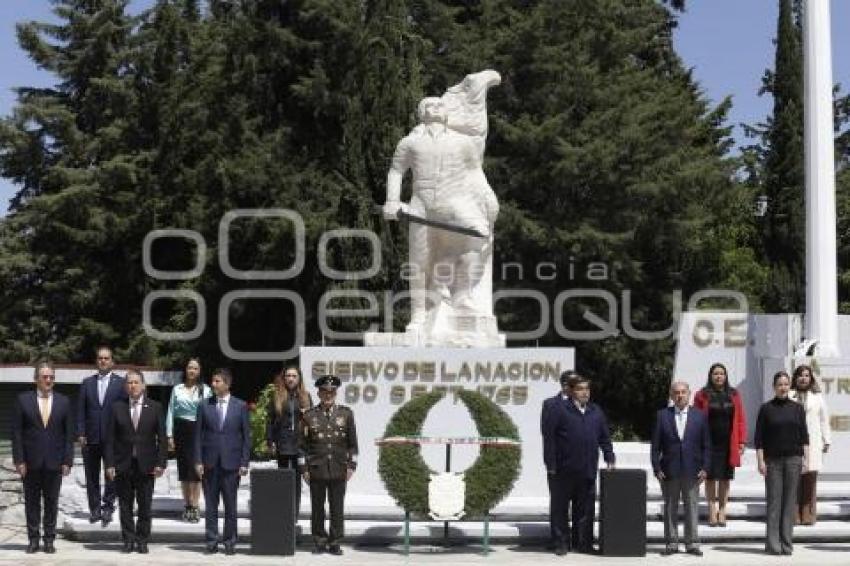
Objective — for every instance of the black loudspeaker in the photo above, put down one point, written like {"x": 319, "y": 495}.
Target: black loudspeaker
{"x": 273, "y": 511}
{"x": 622, "y": 513}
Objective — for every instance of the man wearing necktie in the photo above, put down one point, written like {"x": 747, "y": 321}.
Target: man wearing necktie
{"x": 680, "y": 452}
{"x": 97, "y": 394}
{"x": 43, "y": 451}
{"x": 222, "y": 448}
{"x": 136, "y": 453}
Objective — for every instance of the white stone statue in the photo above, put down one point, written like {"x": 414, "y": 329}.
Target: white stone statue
{"x": 451, "y": 215}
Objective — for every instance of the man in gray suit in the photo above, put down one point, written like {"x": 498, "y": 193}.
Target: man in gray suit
{"x": 680, "y": 452}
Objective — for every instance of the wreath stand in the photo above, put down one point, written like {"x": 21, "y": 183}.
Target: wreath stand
{"x": 448, "y": 442}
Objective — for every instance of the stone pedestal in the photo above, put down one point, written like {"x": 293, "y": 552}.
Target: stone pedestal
{"x": 459, "y": 331}
{"x": 377, "y": 381}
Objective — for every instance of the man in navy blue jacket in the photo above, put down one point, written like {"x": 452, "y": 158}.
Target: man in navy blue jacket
{"x": 548, "y": 411}
{"x": 680, "y": 452}
{"x": 222, "y": 450}
{"x": 43, "y": 451}
{"x": 574, "y": 432}
{"x": 94, "y": 405}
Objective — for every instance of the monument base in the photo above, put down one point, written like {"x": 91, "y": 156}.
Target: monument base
{"x": 456, "y": 331}
{"x": 378, "y": 381}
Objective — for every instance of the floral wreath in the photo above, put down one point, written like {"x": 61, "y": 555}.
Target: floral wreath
{"x": 490, "y": 478}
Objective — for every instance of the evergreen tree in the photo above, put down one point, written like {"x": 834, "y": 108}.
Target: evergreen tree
{"x": 782, "y": 177}
{"x": 601, "y": 150}
{"x": 64, "y": 146}
{"x": 842, "y": 204}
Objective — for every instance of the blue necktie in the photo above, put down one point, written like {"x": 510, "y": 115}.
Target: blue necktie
{"x": 220, "y": 414}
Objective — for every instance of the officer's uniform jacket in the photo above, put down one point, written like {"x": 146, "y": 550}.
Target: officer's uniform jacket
{"x": 328, "y": 443}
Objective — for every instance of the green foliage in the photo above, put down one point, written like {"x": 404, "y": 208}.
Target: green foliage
{"x": 258, "y": 418}
{"x": 490, "y": 478}
{"x": 784, "y": 176}
{"x": 402, "y": 469}
{"x": 601, "y": 149}
{"x": 493, "y": 474}
{"x": 774, "y": 168}
{"x": 776, "y": 171}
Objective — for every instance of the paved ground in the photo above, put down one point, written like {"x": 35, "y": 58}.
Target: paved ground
{"x": 13, "y": 542}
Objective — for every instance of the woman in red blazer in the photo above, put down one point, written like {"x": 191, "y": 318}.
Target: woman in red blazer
{"x": 728, "y": 425}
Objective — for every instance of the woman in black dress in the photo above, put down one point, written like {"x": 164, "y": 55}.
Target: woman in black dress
{"x": 727, "y": 424}
{"x": 283, "y": 422}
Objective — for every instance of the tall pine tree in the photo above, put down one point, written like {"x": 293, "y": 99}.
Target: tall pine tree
{"x": 782, "y": 177}
{"x": 66, "y": 146}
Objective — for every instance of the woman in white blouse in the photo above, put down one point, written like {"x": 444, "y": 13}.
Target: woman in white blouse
{"x": 180, "y": 429}
{"x": 805, "y": 390}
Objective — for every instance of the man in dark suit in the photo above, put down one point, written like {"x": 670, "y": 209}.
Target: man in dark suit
{"x": 680, "y": 452}
{"x": 222, "y": 448}
{"x": 575, "y": 431}
{"x": 136, "y": 453}
{"x": 547, "y": 413}
{"x": 43, "y": 451}
{"x": 327, "y": 457}
{"x": 97, "y": 394}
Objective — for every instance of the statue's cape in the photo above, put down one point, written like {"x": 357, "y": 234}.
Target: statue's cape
{"x": 466, "y": 104}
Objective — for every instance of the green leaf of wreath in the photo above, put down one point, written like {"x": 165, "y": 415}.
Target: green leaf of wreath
{"x": 493, "y": 474}
{"x": 404, "y": 472}
{"x": 490, "y": 478}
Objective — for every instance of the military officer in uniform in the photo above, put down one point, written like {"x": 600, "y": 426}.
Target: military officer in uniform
{"x": 327, "y": 459}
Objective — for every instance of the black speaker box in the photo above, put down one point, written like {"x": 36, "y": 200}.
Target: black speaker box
{"x": 273, "y": 511}
{"x": 622, "y": 513}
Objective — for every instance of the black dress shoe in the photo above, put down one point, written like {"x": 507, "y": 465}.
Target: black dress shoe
{"x": 318, "y": 549}
{"x": 694, "y": 551}
{"x": 230, "y": 549}
{"x": 107, "y": 518}
{"x": 32, "y": 547}
{"x": 142, "y": 547}
{"x": 668, "y": 551}
{"x": 335, "y": 550}
{"x": 211, "y": 549}
{"x": 49, "y": 548}
{"x": 128, "y": 547}
{"x": 561, "y": 550}
{"x": 95, "y": 517}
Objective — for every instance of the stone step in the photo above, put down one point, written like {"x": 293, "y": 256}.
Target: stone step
{"x": 373, "y": 531}
{"x": 172, "y": 507}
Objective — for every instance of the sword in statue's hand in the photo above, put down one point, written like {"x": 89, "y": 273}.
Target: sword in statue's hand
{"x": 401, "y": 213}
